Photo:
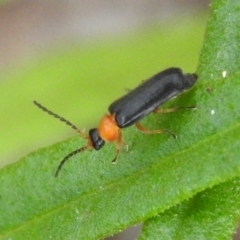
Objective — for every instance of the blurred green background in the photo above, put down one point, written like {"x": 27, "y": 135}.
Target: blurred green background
{"x": 76, "y": 58}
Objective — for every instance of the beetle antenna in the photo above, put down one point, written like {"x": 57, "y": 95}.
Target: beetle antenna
{"x": 68, "y": 156}
{"x": 56, "y": 116}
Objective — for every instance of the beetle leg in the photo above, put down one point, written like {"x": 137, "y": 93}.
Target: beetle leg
{"x": 168, "y": 110}
{"x": 125, "y": 144}
{"x": 157, "y": 131}
{"x": 119, "y": 142}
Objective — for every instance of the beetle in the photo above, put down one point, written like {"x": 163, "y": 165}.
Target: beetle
{"x": 130, "y": 109}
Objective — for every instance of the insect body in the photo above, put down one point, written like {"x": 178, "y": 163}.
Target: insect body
{"x": 131, "y": 108}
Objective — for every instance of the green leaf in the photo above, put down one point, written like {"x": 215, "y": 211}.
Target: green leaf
{"x": 211, "y": 214}
{"x": 214, "y": 213}
{"x": 221, "y": 47}
{"x": 93, "y": 198}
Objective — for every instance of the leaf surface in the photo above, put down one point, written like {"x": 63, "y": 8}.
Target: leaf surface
{"x": 214, "y": 213}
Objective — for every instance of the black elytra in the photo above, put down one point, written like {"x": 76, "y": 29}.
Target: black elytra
{"x": 148, "y": 96}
